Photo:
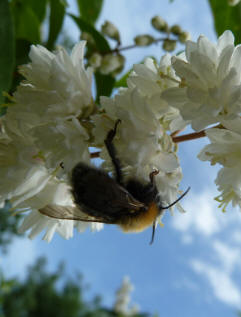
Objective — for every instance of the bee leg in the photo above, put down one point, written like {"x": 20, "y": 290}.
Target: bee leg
{"x": 152, "y": 174}
{"x": 112, "y": 152}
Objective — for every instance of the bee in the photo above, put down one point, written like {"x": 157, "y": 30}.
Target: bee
{"x": 98, "y": 197}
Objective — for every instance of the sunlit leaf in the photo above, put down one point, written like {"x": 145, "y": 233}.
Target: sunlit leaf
{"x": 122, "y": 82}
{"x": 226, "y": 18}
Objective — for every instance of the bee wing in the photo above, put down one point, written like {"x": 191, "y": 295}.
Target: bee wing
{"x": 69, "y": 213}
{"x": 130, "y": 202}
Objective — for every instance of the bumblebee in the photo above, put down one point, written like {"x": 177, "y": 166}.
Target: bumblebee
{"x": 98, "y": 197}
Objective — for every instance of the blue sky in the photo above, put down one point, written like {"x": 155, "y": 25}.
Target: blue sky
{"x": 194, "y": 266}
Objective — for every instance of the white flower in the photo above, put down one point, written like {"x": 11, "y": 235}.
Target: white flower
{"x": 62, "y": 142}
{"x": 152, "y": 79}
{"x": 225, "y": 149}
{"x": 38, "y": 222}
{"x": 55, "y": 192}
{"x": 228, "y": 182}
{"x": 41, "y": 131}
{"x": 210, "y": 86}
{"x": 22, "y": 174}
{"x": 57, "y": 86}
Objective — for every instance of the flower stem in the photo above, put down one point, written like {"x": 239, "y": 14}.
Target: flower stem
{"x": 192, "y": 136}
{"x": 128, "y": 47}
{"x": 180, "y": 138}
{"x": 189, "y": 136}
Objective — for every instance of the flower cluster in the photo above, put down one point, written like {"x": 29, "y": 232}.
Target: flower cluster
{"x": 53, "y": 122}
{"x": 41, "y": 131}
{"x": 225, "y": 149}
{"x": 210, "y": 81}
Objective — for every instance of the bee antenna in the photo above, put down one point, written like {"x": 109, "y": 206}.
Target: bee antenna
{"x": 177, "y": 199}
{"x": 153, "y": 232}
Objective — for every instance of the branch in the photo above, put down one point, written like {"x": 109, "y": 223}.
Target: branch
{"x": 180, "y": 138}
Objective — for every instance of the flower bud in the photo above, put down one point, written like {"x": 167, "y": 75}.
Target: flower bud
{"x": 143, "y": 40}
{"x": 159, "y": 24}
{"x": 119, "y": 69}
{"x": 110, "y": 30}
{"x": 95, "y": 60}
{"x": 169, "y": 45}
{"x": 176, "y": 29}
{"x": 110, "y": 63}
{"x": 233, "y": 2}
{"x": 87, "y": 37}
{"x": 184, "y": 36}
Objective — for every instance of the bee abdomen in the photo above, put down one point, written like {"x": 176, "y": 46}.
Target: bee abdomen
{"x": 140, "y": 221}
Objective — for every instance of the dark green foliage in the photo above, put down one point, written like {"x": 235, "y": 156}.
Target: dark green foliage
{"x": 57, "y": 13}
{"x": 7, "y": 48}
{"x": 90, "y": 10}
{"x": 42, "y": 294}
{"x": 104, "y": 85}
{"x": 26, "y": 21}
{"x": 226, "y": 18}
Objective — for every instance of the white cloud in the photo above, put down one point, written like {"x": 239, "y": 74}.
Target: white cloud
{"x": 228, "y": 255}
{"x": 223, "y": 287}
{"x": 236, "y": 236}
{"x": 202, "y": 215}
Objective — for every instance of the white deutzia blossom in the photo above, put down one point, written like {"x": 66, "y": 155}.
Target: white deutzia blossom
{"x": 210, "y": 81}
{"x": 225, "y": 149}
{"x": 22, "y": 173}
{"x": 142, "y": 143}
{"x": 57, "y": 86}
{"x": 152, "y": 79}
{"x": 55, "y": 192}
{"x": 42, "y": 138}
{"x": 62, "y": 141}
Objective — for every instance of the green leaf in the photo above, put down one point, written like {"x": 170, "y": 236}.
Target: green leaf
{"x": 7, "y": 49}
{"x": 104, "y": 85}
{"x": 101, "y": 42}
{"x": 22, "y": 51}
{"x": 57, "y": 13}
{"x": 226, "y": 18}
{"x": 38, "y": 7}
{"x": 122, "y": 82}
{"x": 90, "y": 10}
{"x": 27, "y": 25}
